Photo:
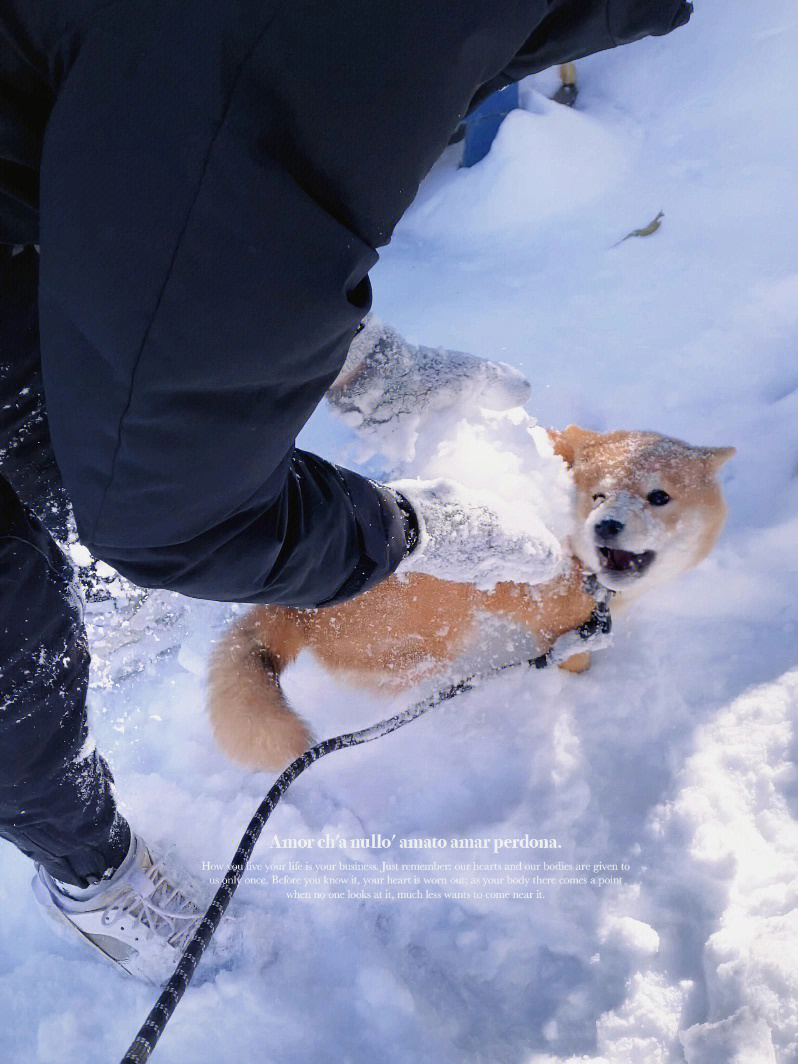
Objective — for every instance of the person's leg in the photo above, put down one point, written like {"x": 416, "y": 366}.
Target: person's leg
{"x": 57, "y": 800}
{"x": 26, "y": 455}
{"x": 56, "y": 796}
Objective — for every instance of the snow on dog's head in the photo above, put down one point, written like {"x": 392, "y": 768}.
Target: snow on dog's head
{"x": 648, "y": 507}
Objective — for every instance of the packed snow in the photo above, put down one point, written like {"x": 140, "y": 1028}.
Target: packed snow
{"x": 495, "y": 502}
{"x": 674, "y": 755}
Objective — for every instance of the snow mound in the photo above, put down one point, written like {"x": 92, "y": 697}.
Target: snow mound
{"x": 743, "y": 844}
{"x": 547, "y": 161}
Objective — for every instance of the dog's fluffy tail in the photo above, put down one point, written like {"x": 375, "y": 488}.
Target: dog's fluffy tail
{"x": 251, "y": 719}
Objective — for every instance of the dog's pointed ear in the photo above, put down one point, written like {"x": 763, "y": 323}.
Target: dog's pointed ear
{"x": 719, "y": 455}
{"x": 569, "y": 442}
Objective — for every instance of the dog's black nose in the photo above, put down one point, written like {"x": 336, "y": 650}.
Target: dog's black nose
{"x": 608, "y": 528}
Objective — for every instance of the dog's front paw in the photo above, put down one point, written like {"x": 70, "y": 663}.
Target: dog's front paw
{"x": 577, "y": 662}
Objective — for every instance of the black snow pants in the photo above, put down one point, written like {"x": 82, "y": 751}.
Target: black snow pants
{"x": 56, "y": 795}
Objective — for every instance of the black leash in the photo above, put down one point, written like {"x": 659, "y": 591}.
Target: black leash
{"x": 599, "y": 624}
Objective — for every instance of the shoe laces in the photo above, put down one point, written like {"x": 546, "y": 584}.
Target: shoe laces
{"x": 155, "y": 904}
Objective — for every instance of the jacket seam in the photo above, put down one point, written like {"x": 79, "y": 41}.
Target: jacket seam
{"x": 170, "y": 267}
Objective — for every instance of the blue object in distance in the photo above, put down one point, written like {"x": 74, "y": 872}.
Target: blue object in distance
{"x": 482, "y": 124}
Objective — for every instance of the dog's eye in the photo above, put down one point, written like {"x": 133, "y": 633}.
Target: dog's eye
{"x": 599, "y": 496}
{"x": 658, "y": 497}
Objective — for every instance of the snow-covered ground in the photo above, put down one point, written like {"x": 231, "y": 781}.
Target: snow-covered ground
{"x": 674, "y": 754}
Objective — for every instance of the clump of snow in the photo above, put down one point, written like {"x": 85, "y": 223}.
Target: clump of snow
{"x": 509, "y": 459}
{"x": 742, "y": 1038}
{"x": 79, "y": 554}
{"x": 496, "y": 503}
{"x": 632, "y": 935}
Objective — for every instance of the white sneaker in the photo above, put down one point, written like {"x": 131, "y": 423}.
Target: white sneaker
{"x": 138, "y": 920}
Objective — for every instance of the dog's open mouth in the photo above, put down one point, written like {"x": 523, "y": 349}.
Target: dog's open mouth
{"x": 624, "y": 561}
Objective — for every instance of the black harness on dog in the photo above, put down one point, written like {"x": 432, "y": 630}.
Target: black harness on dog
{"x": 593, "y": 634}
{"x": 595, "y": 630}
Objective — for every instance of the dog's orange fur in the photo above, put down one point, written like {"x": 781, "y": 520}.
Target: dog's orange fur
{"x": 405, "y": 629}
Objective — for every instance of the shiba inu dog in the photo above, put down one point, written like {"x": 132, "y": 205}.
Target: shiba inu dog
{"x": 647, "y": 508}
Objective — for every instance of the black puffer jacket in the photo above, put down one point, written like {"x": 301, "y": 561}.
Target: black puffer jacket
{"x": 208, "y": 182}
